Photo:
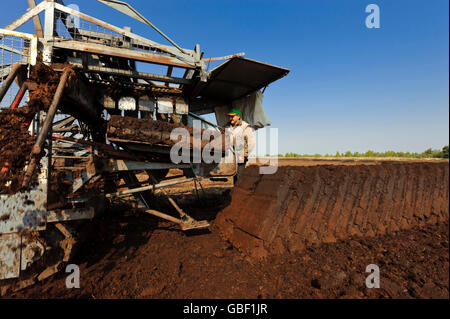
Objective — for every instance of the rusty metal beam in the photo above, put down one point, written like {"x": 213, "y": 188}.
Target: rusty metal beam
{"x": 121, "y": 53}
{"x": 137, "y": 75}
{"x": 7, "y": 83}
{"x": 12, "y": 50}
{"x": 27, "y": 16}
{"x": 164, "y": 216}
{"x": 51, "y": 112}
{"x": 19, "y": 96}
{"x": 37, "y": 148}
{"x": 140, "y": 87}
{"x": 127, "y": 9}
{"x": 224, "y": 57}
{"x": 103, "y": 147}
{"x": 36, "y": 20}
{"x": 169, "y": 73}
{"x": 150, "y": 187}
{"x": 33, "y": 48}
{"x": 188, "y": 53}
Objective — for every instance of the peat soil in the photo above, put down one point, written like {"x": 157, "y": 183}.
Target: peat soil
{"x": 134, "y": 255}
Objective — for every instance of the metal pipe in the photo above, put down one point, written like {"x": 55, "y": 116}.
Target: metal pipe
{"x": 179, "y": 210}
{"x": 164, "y": 216}
{"x": 104, "y": 147}
{"x": 19, "y": 96}
{"x": 146, "y": 188}
{"x": 9, "y": 80}
{"x": 224, "y": 57}
{"x": 119, "y": 6}
{"x": 36, "y": 20}
{"x": 37, "y": 148}
{"x": 51, "y": 113}
{"x": 160, "y": 32}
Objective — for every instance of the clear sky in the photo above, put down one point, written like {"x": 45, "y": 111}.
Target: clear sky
{"x": 350, "y": 87}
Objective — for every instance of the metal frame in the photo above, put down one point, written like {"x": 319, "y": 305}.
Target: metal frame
{"x": 33, "y": 50}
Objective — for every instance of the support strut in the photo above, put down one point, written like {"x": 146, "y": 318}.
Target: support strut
{"x": 37, "y": 148}
{"x": 9, "y": 80}
{"x": 186, "y": 222}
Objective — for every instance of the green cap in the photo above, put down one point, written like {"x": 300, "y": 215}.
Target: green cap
{"x": 235, "y": 111}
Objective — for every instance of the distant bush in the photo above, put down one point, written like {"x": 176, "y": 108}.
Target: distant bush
{"x": 445, "y": 152}
{"x": 429, "y": 153}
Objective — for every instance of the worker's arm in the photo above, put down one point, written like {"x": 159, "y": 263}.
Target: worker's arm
{"x": 239, "y": 143}
{"x": 249, "y": 138}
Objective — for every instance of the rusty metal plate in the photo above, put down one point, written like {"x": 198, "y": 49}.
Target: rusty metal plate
{"x": 22, "y": 212}
{"x": 70, "y": 214}
{"x": 25, "y": 211}
{"x": 9, "y": 256}
{"x": 239, "y": 77}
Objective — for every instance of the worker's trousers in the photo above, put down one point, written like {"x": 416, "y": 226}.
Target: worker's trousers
{"x": 240, "y": 170}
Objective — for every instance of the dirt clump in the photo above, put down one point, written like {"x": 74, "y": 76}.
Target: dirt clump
{"x": 153, "y": 132}
{"x": 15, "y": 147}
{"x": 15, "y": 141}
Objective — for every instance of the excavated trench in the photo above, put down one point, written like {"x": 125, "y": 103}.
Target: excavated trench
{"x": 305, "y": 205}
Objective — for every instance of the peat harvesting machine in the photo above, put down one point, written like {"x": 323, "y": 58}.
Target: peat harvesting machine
{"x": 87, "y": 111}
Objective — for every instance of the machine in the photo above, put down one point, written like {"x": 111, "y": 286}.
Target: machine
{"x": 86, "y": 118}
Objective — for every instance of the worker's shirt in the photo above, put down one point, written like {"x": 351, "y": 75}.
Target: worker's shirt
{"x": 242, "y": 139}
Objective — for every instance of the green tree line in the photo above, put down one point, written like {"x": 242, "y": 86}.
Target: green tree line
{"x": 429, "y": 153}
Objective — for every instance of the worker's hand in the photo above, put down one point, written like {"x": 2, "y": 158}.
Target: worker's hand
{"x": 241, "y": 159}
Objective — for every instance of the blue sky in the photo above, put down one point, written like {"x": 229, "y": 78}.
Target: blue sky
{"x": 350, "y": 88}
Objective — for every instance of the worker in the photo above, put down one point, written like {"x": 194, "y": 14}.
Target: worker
{"x": 241, "y": 138}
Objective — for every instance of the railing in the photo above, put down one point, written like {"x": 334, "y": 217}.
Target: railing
{"x": 70, "y": 27}
{"x": 15, "y": 48}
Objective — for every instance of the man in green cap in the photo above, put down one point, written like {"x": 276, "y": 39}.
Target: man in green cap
{"x": 242, "y": 139}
